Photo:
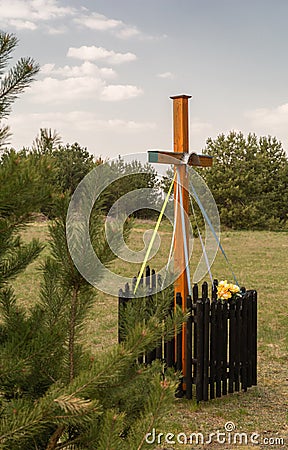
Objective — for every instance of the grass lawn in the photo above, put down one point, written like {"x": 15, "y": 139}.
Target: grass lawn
{"x": 260, "y": 261}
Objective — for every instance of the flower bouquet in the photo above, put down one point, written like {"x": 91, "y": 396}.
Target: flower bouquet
{"x": 227, "y": 291}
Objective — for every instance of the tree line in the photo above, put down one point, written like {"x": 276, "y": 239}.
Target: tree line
{"x": 248, "y": 179}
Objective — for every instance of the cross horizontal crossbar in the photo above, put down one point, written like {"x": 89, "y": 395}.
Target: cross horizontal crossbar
{"x": 166, "y": 157}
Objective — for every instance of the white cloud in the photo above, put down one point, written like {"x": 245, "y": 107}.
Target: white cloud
{"x": 99, "y": 22}
{"x": 27, "y": 14}
{"x": 20, "y": 24}
{"x": 77, "y": 88}
{"x": 30, "y": 14}
{"x": 78, "y": 83}
{"x": 166, "y": 75}
{"x": 71, "y": 126}
{"x": 125, "y": 125}
{"x": 47, "y": 69}
{"x": 199, "y": 127}
{"x": 56, "y": 30}
{"x": 128, "y": 32}
{"x": 85, "y": 69}
{"x": 270, "y": 121}
{"x": 272, "y": 118}
{"x": 53, "y": 90}
{"x": 94, "y": 53}
{"x": 120, "y": 92}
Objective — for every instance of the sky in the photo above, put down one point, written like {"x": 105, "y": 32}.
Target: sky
{"x": 109, "y": 67}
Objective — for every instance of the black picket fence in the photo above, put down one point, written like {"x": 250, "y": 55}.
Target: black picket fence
{"x": 220, "y": 341}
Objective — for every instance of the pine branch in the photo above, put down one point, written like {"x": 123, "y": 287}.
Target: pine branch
{"x": 18, "y": 259}
{"x": 53, "y": 297}
{"x": 73, "y": 404}
{"x": 16, "y": 81}
{"x": 157, "y": 405}
{"x": 55, "y": 438}
{"x": 111, "y": 428}
{"x": 42, "y": 418}
{"x": 72, "y": 325}
{"x": 8, "y": 42}
{"x": 108, "y": 369}
{"x": 4, "y": 135}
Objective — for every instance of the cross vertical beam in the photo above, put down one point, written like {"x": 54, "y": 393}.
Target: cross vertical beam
{"x": 181, "y": 145}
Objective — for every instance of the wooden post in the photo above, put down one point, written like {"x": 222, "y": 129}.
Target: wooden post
{"x": 181, "y": 145}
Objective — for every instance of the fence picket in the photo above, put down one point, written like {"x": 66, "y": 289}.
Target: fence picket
{"x": 249, "y": 340}
{"x": 179, "y": 338}
{"x": 153, "y": 281}
{"x": 218, "y": 348}
{"x": 232, "y": 346}
{"x": 189, "y": 350}
{"x": 244, "y": 342}
{"x": 195, "y": 296}
{"x": 224, "y": 347}
{"x": 254, "y": 338}
{"x": 206, "y": 335}
{"x": 213, "y": 352}
{"x": 200, "y": 345}
{"x": 237, "y": 346}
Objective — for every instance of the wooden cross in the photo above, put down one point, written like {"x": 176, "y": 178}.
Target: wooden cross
{"x": 180, "y": 158}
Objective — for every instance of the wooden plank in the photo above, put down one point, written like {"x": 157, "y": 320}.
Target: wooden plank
{"x": 213, "y": 348}
{"x": 147, "y": 277}
{"x": 206, "y": 321}
{"x": 200, "y": 160}
{"x": 179, "y": 365}
{"x": 238, "y": 322}
{"x": 225, "y": 345}
{"x": 249, "y": 339}
{"x": 254, "y": 338}
{"x": 200, "y": 345}
{"x": 189, "y": 350}
{"x": 166, "y": 157}
{"x": 181, "y": 145}
{"x": 180, "y": 119}
{"x": 232, "y": 346}
{"x": 214, "y": 290}
{"x": 244, "y": 339}
{"x": 195, "y": 299}
{"x": 219, "y": 343}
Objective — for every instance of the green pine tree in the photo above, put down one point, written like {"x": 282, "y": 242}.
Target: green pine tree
{"x": 54, "y": 394}
{"x": 248, "y": 180}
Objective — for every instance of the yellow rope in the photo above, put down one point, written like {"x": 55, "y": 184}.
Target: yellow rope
{"x": 154, "y": 234}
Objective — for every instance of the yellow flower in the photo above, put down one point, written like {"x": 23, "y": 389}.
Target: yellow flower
{"x": 224, "y": 295}
{"x": 225, "y": 290}
{"x": 234, "y": 288}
